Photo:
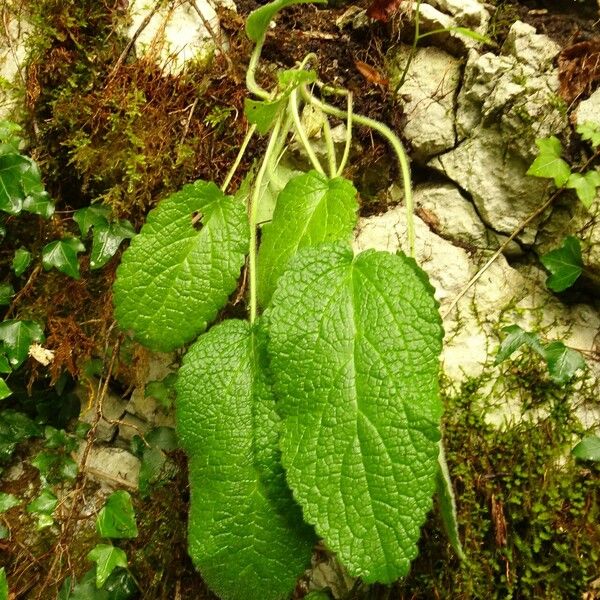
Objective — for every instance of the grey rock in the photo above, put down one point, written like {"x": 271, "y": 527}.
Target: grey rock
{"x": 111, "y": 466}
{"x": 428, "y": 95}
{"x": 588, "y": 110}
{"x": 113, "y": 408}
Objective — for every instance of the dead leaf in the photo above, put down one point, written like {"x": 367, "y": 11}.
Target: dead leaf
{"x": 371, "y": 74}
{"x": 382, "y": 10}
{"x": 499, "y": 522}
{"x": 579, "y": 69}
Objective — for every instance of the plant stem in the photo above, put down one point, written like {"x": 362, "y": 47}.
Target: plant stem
{"x": 396, "y": 145}
{"x": 252, "y": 212}
{"x": 330, "y": 147}
{"x": 251, "y": 72}
{"x": 346, "y": 154}
{"x": 413, "y": 49}
{"x": 238, "y": 158}
{"x": 293, "y": 107}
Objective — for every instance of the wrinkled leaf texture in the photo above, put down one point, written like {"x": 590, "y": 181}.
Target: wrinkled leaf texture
{"x": 246, "y": 535}
{"x": 173, "y": 278}
{"x": 310, "y": 209}
{"x": 354, "y": 345}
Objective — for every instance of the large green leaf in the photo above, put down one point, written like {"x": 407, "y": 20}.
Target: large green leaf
{"x": 562, "y": 362}
{"x": 549, "y": 162}
{"x": 565, "y": 264}
{"x": 246, "y": 535}
{"x": 588, "y": 448}
{"x": 107, "y": 559}
{"x": 174, "y": 278}
{"x": 354, "y": 346}
{"x": 12, "y": 167}
{"x": 311, "y": 209}
{"x": 62, "y": 255}
{"x": 117, "y": 517}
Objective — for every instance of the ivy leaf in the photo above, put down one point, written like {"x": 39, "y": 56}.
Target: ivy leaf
{"x": 588, "y": 448}
{"x": 36, "y": 200}
{"x": 91, "y": 216}
{"x": 5, "y": 391}
{"x": 44, "y": 504}
{"x": 12, "y": 195}
{"x": 549, "y": 163}
{"x": 17, "y": 336}
{"x": 515, "y": 338}
{"x": 246, "y": 535}
{"x": 585, "y": 185}
{"x": 263, "y": 113}
{"x": 7, "y": 501}
{"x": 106, "y": 241}
{"x": 107, "y": 559}
{"x": 21, "y": 260}
{"x": 258, "y": 21}
{"x": 354, "y": 347}
{"x": 173, "y": 278}
{"x": 565, "y": 264}
{"x": 562, "y": 362}
{"x": 62, "y": 255}
{"x": 591, "y": 132}
{"x": 311, "y": 209}
{"x": 117, "y": 517}
{"x": 6, "y": 293}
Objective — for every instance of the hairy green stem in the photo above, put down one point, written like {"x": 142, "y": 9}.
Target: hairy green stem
{"x": 252, "y": 212}
{"x": 346, "y": 154}
{"x": 251, "y": 84}
{"x": 293, "y": 108}
{"x": 396, "y": 145}
{"x": 238, "y": 158}
{"x": 331, "y": 158}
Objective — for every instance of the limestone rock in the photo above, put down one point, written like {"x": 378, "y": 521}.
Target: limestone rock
{"x": 111, "y": 466}
{"x": 455, "y": 218}
{"x": 113, "y": 408}
{"x": 467, "y": 13}
{"x": 176, "y": 33}
{"x": 428, "y": 90}
{"x": 589, "y": 110}
{"x": 13, "y": 54}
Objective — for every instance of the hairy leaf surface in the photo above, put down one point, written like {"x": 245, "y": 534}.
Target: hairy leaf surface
{"x": 311, "y": 209}
{"x": 354, "y": 346}
{"x": 174, "y": 278}
{"x": 246, "y": 535}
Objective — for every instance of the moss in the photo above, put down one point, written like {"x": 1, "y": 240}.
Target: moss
{"x": 528, "y": 512}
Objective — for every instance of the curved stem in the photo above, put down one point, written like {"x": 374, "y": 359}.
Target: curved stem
{"x": 330, "y": 147}
{"x": 251, "y": 72}
{"x": 396, "y": 145}
{"x": 293, "y": 107}
{"x": 252, "y": 212}
{"x": 238, "y": 158}
{"x": 346, "y": 154}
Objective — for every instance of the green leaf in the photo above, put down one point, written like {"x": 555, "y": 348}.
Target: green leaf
{"x": 6, "y": 293}
{"x": 162, "y": 391}
{"x": 591, "y": 132}
{"x": 106, "y": 241}
{"x": 62, "y": 255}
{"x": 117, "y": 517}
{"x": 354, "y": 346}
{"x": 5, "y": 391}
{"x": 173, "y": 278}
{"x": 549, "y": 163}
{"x": 515, "y": 338}
{"x": 310, "y": 210}
{"x": 39, "y": 203}
{"x": 4, "y": 364}
{"x": 21, "y": 260}
{"x": 17, "y": 336}
{"x": 44, "y": 504}
{"x": 258, "y": 21}
{"x": 588, "y": 448}
{"x": 91, "y": 216}
{"x": 263, "y": 113}
{"x": 562, "y": 362}
{"x": 7, "y": 501}
{"x": 474, "y": 35}
{"x": 12, "y": 167}
{"x": 565, "y": 264}
{"x": 107, "y": 559}
{"x": 120, "y": 585}
{"x": 447, "y": 504}
{"x": 246, "y": 535}
{"x": 585, "y": 186}
{"x": 3, "y": 585}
